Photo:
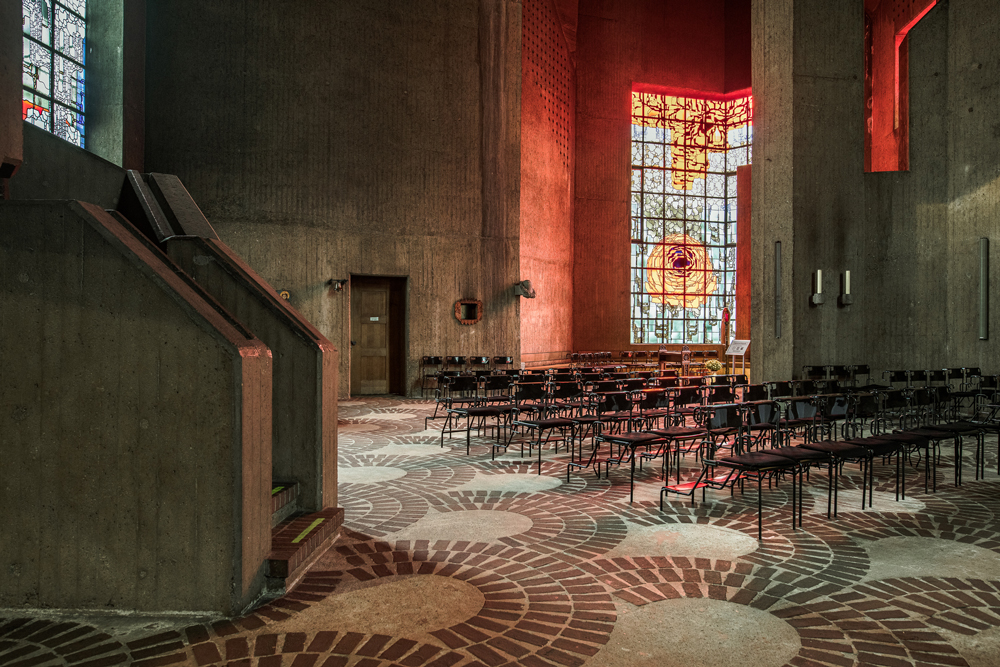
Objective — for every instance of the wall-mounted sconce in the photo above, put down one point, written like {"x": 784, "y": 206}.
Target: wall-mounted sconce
{"x": 845, "y": 294}
{"x": 524, "y": 289}
{"x": 817, "y": 298}
{"x": 338, "y": 285}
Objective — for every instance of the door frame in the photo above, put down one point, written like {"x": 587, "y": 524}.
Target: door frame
{"x": 399, "y": 326}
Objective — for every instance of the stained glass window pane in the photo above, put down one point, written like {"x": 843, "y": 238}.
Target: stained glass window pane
{"x": 684, "y": 157}
{"x": 52, "y": 66}
{"x": 36, "y": 65}
{"x": 70, "y": 33}
{"x": 36, "y": 20}
{"x": 78, "y": 6}
{"x": 68, "y": 82}
{"x": 68, "y": 124}
{"x": 36, "y": 110}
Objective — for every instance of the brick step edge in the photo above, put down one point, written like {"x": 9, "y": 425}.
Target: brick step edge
{"x": 288, "y": 494}
{"x": 287, "y": 555}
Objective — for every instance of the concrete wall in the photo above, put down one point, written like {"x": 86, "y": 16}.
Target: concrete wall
{"x": 136, "y": 424}
{"x": 304, "y": 397}
{"x": 56, "y": 169}
{"x": 676, "y": 44}
{"x": 548, "y": 87}
{"x": 910, "y": 239}
{"x": 329, "y": 139}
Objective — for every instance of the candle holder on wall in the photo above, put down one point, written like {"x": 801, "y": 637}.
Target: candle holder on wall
{"x": 817, "y": 298}
{"x": 845, "y": 295}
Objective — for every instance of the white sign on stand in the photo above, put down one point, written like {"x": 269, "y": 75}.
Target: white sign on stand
{"x": 738, "y": 348}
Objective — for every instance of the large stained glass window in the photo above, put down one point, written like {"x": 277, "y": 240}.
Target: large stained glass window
{"x": 52, "y": 66}
{"x": 685, "y": 152}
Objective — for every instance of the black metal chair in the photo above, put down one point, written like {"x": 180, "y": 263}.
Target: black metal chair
{"x": 760, "y": 465}
{"x": 454, "y": 391}
{"x": 426, "y": 364}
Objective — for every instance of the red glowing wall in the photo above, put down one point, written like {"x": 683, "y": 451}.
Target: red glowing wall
{"x": 547, "y": 138}
{"x": 695, "y": 46}
{"x": 887, "y": 24}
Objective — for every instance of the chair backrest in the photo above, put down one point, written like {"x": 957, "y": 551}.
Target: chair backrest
{"x": 494, "y": 385}
{"x": 666, "y": 383}
{"x": 613, "y": 401}
{"x": 565, "y": 389}
{"x": 802, "y": 408}
{"x": 479, "y": 361}
{"x": 814, "y": 372}
{"x": 897, "y": 376}
{"x": 806, "y": 388}
{"x": 563, "y": 377}
{"x": 939, "y": 375}
{"x": 618, "y": 376}
{"x": 866, "y": 405}
{"x": 755, "y": 392}
{"x": 651, "y": 399}
{"x": 528, "y": 392}
{"x": 836, "y": 407}
{"x": 686, "y": 396}
{"x": 606, "y": 386}
{"x": 721, "y": 416}
{"x": 762, "y": 412}
{"x": 720, "y": 394}
{"x": 780, "y": 389}
{"x": 633, "y": 384}
{"x": 895, "y": 399}
{"x": 431, "y": 361}
{"x": 461, "y": 385}
{"x": 840, "y": 373}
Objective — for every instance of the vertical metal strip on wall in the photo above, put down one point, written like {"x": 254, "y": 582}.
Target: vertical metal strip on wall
{"x": 984, "y": 288}
{"x": 777, "y": 289}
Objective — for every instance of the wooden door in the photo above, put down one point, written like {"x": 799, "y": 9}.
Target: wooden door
{"x": 370, "y": 338}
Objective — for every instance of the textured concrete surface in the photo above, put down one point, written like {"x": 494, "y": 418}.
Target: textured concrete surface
{"x": 136, "y": 417}
{"x": 430, "y": 572}
{"x": 359, "y": 138}
{"x": 726, "y": 634}
{"x": 909, "y": 238}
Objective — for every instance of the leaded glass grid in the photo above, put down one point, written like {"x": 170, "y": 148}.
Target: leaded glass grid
{"x": 685, "y": 152}
{"x": 53, "y": 66}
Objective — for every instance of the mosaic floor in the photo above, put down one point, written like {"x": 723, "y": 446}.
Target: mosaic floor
{"x": 454, "y": 560}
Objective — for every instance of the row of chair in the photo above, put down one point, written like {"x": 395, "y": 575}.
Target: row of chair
{"x": 623, "y": 418}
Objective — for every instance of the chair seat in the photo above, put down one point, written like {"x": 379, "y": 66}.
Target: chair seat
{"x": 481, "y": 411}
{"x": 677, "y": 432}
{"x": 758, "y": 461}
{"x": 555, "y": 422}
{"x": 907, "y": 438}
{"x": 798, "y": 454}
{"x": 837, "y": 449}
{"x": 876, "y": 445}
{"x": 962, "y": 428}
{"x": 930, "y": 433}
{"x": 631, "y": 438}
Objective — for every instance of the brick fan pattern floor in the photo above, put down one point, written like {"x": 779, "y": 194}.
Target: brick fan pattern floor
{"x": 553, "y": 593}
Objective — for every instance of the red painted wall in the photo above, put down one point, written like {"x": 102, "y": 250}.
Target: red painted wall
{"x": 673, "y": 43}
{"x": 547, "y": 139}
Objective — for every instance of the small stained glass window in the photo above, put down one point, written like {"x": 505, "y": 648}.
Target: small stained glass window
{"x": 685, "y": 152}
{"x": 53, "y": 67}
